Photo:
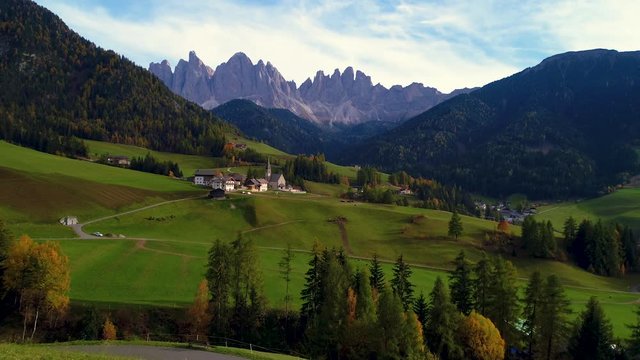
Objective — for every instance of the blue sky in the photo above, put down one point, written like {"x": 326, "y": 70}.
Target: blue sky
{"x": 445, "y": 44}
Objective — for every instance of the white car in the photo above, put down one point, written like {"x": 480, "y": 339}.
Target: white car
{"x": 98, "y": 234}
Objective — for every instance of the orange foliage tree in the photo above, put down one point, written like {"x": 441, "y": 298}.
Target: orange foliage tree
{"x": 198, "y": 314}
{"x": 480, "y": 338}
{"x": 39, "y": 275}
{"x": 109, "y": 331}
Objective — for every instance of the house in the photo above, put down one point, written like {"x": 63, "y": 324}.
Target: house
{"x": 118, "y": 160}
{"x": 217, "y": 194}
{"x": 239, "y": 179}
{"x": 240, "y": 146}
{"x": 229, "y": 184}
{"x": 264, "y": 185}
{"x": 406, "y": 191}
{"x": 204, "y": 176}
{"x": 69, "y": 220}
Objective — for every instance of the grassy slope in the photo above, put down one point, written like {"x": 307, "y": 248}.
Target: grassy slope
{"x": 622, "y": 206}
{"x": 37, "y": 189}
{"x": 167, "y": 272}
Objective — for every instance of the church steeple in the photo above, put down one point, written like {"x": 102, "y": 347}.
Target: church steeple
{"x": 268, "y": 170}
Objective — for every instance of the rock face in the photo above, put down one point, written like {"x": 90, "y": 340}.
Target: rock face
{"x": 340, "y": 98}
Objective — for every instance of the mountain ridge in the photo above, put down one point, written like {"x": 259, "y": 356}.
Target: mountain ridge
{"x": 565, "y": 127}
{"x": 346, "y": 97}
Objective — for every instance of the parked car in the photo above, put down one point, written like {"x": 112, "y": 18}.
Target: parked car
{"x": 98, "y": 234}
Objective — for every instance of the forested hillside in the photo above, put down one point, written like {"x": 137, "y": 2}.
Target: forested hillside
{"x": 56, "y": 85}
{"x": 567, "y": 127}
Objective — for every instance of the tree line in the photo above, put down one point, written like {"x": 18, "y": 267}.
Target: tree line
{"x": 609, "y": 249}
{"x": 150, "y": 164}
{"x": 312, "y": 168}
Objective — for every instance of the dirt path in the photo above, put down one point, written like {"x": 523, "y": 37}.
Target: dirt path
{"x": 270, "y": 226}
{"x": 83, "y": 235}
{"x": 148, "y": 352}
{"x": 141, "y": 245}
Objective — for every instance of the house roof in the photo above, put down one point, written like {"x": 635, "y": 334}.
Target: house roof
{"x": 205, "y": 172}
{"x": 276, "y": 177}
{"x": 263, "y": 181}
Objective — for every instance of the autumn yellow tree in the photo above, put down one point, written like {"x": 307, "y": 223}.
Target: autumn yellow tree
{"x": 109, "y": 331}
{"x": 39, "y": 275}
{"x": 198, "y": 314}
{"x": 480, "y": 338}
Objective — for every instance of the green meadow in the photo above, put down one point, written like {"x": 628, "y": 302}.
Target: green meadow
{"x": 622, "y": 206}
{"x": 164, "y": 255}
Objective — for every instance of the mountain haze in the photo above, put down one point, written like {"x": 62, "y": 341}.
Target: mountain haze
{"x": 568, "y": 126}
{"x": 340, "y": 98}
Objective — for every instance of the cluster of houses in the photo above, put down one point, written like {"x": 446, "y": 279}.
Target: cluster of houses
{"x": 233, "y": 182}
{"x": 512, "y": 216}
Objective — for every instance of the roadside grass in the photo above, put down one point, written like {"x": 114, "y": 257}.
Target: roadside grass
{"x": 622, "y": 206}
{"x": 43, "y": 352}
{"x": 332, "y": 190}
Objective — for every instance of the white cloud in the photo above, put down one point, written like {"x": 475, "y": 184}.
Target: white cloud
{"x": 447, "y": 45}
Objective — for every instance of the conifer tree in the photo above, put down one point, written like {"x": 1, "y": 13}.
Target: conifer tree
{"x": 442, "y": 318}
{"x": 592, "y": 335}
{"x": 554, "y": 322}
{"x": 377, "y": 275}
{"x": 420, "y": 308}
{"x": 569, "y": 230}
{"x": 633, "y": 343}
{"x": 401, "y": 284}
{"x": 461, "y": 284}
{"x": 481, "y": 283}
{"x": 532, "y": 312}
{"x": 365, "y": 309}
{"x": 455, "y": 225}
{"x": 390, "y": 325}
{"x": 285, "y": 272}
{"x": 311, "y": 294}
{"x": 218, "y": 279}
{"x": 502, "y": 300}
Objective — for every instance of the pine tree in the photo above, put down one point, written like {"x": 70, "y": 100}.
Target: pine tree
{"x": 592, "y": 336}
{"x": 554, "y": 327}
{"x": 285, "y": 272}
{"x": 420, "y": 308}
{"x": 455, "y": 225}
{"x": 569, "y": 230}
{"x": 481, "y": 283}
{"x": 311, "y": 294}
{"x": 532, "y": 312}
{"x": 461, "y": 284}
{"x": 442, "y": 318}
{"x": 377, "y": 275}
{"x": 633, "y": 343}
{"x": 400, "y": 283}
{"x": 218, "y": 279}
{"x": 502, "y": 300}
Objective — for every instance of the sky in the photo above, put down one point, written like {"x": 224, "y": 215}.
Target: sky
{"x": 445, "y": 44}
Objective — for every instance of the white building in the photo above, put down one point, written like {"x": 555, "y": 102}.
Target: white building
{"x": 204, "y": 176}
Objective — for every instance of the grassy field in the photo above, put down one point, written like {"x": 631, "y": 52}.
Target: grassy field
{"x": 622, "y": 206}
{"x": 165, "y": 268}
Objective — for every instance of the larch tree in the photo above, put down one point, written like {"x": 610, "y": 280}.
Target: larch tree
{"x": 455, "y": 225}
{"x": 461, "y": 284}
{"x": 109, "y": 331}
{"x": 532, "y": 312}
{"x": 286, "y": 267}
{"x": 480, "y": 338}
{"x": 390, "y": 325}
{"x": 554, "y": 322}
{"x": 442, "y": 319}
{"x": 199, "y": 314}
{"x": 40, "y": 275}
{"x": 401, "y": 284}
{"x": 502, "y": 301}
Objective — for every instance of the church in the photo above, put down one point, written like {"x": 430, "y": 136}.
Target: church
{"x": 276, "y": 181}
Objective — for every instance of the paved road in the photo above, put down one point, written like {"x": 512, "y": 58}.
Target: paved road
{"x": 148, "y": 352}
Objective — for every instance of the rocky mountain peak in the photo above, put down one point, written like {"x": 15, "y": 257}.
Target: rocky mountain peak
{"x": 347, "y": 97}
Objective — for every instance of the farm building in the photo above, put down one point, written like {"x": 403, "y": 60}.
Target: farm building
{"x": 204, "y": 176}
{"x": 217, "y": 194}
{"x": 69, "y": 220}
{"x": 118, "y": 160}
